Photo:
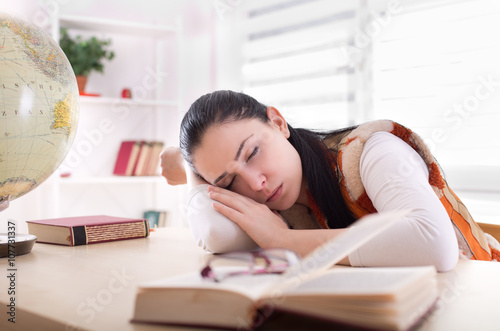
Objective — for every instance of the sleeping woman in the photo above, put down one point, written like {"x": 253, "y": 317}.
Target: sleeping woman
{"x": 258, "y": 182}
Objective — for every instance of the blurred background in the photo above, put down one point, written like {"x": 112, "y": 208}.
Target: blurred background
{"x": 431, "y": 65}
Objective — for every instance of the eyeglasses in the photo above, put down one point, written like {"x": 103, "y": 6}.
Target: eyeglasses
{"x": 270, "y": 261}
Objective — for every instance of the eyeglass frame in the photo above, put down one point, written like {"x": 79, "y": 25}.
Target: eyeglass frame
{"x": 265, "y": 255}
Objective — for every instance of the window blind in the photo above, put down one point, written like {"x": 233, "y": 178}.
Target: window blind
{"x": 293, "y": 60}
{"x": 429, "y": 64}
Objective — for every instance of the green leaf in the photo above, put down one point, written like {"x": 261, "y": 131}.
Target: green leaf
{"x": 85, "y": 56}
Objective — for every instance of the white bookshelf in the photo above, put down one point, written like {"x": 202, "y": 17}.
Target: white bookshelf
{"x": 111, "y": 25}
{"x": 112, "y": 180}
{"x": 124, "y": 195}
{"x": 106, "y": 101}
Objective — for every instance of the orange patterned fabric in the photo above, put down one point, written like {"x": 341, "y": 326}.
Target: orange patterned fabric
{"x": 495, "y": 255}
{"x": 316, "y": 211}
{"x": 474, "y": 244}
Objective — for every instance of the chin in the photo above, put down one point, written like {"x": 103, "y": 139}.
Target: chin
{"x": 284, "y": 204}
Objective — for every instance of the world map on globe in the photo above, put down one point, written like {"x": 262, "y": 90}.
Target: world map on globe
{"x": 38, "y": 107}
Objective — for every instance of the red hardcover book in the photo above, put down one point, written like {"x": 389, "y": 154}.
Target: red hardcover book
{"x": 83, "y": 230}
{"x": 127, "y": 156}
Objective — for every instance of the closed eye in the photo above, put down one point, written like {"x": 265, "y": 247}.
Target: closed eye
{"x": 228, "y": 187}
{"x": 255, "y": 150}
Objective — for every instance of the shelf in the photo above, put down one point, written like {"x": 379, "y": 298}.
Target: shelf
{"x": 108, "y": 193}
{"x": 122, "y": 101}
{"x": 113, "y": 180}
{"x": 115, "y": 26}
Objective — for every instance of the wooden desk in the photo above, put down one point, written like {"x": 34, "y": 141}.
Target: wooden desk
{"x": 93, "y": 287}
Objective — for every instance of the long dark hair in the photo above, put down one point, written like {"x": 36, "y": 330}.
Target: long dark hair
{"x": 226, "y": 106}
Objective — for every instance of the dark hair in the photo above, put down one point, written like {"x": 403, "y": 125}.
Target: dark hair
{"x": 226, "y": 106}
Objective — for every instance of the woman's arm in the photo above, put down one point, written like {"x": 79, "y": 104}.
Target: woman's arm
{"x": 396, "y": 177}
{"x": 266, "y": 227}
{"x": 211, "y": 230}
{"x": 172, "y": 166}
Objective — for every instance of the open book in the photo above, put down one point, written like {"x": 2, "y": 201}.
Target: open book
{"x": 372, "y": 298}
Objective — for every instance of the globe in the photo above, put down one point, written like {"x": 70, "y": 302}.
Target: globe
{"x": 38, "y": 107}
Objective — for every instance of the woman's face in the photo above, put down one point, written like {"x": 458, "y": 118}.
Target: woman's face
{"x": 252, "y": 158}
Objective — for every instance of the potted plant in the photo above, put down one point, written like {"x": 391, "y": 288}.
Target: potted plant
{"x": 85, "y": 56}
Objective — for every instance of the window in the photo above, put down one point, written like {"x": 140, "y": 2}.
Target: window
{"x": 436, "y": 69}
{"x": 293, "y": 60}
{"x": 432, "y": 65}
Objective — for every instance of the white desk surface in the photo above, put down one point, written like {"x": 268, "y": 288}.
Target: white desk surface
{"x": 93, "y": 287}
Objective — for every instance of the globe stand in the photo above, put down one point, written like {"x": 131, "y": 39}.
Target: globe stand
{"x": 4, "y": 203}
{"x": 12, "y": 244}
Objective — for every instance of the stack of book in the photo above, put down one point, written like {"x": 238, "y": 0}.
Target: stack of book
{"x": 138, "y": 158}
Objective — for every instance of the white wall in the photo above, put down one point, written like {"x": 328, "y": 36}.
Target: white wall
{"x": 195, "y": 74}
{"x": 211, "y": 59}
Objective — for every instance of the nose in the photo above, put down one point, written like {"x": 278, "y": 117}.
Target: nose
{"x": 255, "y": 179}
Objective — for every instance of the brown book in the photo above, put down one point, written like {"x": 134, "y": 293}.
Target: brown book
{"x": 154, "y": 158}
{"x": 83, "y": 230}
{"x": 132, "y": 161}
{"x": 370, "y": 298}
{"x": 142, "y": 160}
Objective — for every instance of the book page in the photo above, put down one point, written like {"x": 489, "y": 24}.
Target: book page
{"x": 252, "y": 286}
{"x": 363, "y": 281}
{"x": 376, "y": 298}
{"x": 327, "y": 255}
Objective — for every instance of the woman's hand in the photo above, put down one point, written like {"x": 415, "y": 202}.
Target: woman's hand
{"x": 265, "y": 227}
{"x": 172, "y": 166}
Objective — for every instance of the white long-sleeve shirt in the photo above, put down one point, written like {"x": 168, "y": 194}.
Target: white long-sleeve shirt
{"x": 395, "y": 177}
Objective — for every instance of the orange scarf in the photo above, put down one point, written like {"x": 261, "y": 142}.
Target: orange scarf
{"x": 473, "y": 243}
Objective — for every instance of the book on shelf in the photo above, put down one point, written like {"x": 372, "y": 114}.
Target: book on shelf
{"x": 138, "y": 158}
{"x": 126, "y": 158}
{"x": 162, "y": 221}
{"x": 142, "y": 159}
{"x": 369, "y": 298}
{"x": 154, "y": 160}
{"x": 83, "y": 230}
{"x": 156, "y": 219}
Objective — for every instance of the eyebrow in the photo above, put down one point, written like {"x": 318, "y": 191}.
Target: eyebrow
{"x": 238, "y": 153}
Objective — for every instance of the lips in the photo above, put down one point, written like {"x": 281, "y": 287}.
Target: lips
{"x": 276, "y": 194}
